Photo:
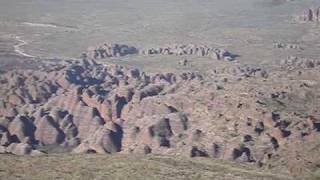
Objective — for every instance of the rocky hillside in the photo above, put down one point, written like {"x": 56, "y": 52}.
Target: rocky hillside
{"x": 243, "y": 114}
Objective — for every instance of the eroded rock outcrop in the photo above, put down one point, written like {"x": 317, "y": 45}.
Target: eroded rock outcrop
{"x": 111, "y": 50}
{"x": 118, "y": 50}
{"x": 310, "y": 15}
{"x": 86, "y": 107}
{"x": 189, "y": 49}
{"x": 281, "y": 45}
{"x": 48, "y": 132}
{"x": 294, "y": 62}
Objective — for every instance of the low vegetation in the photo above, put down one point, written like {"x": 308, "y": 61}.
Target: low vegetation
{"x": 92, "y": 166}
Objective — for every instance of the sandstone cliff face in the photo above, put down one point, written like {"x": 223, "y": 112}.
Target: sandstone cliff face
{"x": 243, "y": 113}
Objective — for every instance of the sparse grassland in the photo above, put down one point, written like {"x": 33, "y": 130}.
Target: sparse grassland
{"x": 91, "y": 166}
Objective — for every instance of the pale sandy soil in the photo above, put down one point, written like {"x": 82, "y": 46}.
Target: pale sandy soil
{"x": 246, "y": 27}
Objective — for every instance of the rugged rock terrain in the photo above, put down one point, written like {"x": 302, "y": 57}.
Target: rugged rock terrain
{"x": 239, "y": 102}
{"x": 241, "y": 113}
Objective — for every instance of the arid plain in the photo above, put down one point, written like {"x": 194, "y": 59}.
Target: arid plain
{"x": 193, "y": 89}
